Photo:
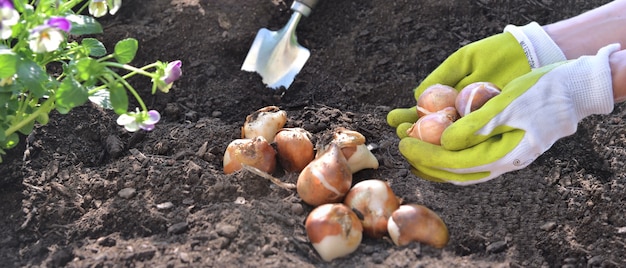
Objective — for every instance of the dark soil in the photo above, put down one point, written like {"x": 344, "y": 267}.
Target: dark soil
{"x": 60, "y": 200}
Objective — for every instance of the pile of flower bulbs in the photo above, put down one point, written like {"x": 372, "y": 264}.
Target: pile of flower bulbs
{"x": 342, "y": 212}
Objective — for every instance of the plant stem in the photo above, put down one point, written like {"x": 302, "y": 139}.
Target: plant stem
{"x": 133, "y": 70}
{"x": 44, "y": 108}
{"x": 132, "y": 90}
{"x": 122, "y": 79}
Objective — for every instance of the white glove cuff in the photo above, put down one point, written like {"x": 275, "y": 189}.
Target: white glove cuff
{"x": 592, "y": 92}
{"x": 540, "y": 49}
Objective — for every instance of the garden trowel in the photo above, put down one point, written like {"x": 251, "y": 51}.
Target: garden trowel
{"x": 276, "y": 55}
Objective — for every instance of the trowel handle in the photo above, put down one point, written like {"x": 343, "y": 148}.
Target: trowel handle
{"x": 303, "y": 6}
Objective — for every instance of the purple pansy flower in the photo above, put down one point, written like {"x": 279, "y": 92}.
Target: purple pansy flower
{"x": 8, "y": 17}
{"x": 48, "y": 37}
{"x": 172, "y": 73}
{"x": 134, "y": 121}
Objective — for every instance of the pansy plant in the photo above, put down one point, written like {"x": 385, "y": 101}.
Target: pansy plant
{"x": 46, "y": 33}
{"x": 98, "y": 8}
{"x": 8, "y": 17}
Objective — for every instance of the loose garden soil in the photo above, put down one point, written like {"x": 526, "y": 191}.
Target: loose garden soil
{"x": 82, "y": 192}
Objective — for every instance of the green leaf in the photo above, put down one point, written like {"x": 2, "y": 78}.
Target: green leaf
{"x": 96, "y": 48}
{"x": 125, "y": 50}
{"x": 10, "y": 141}
{"x": 69, "y": 95}
{"x": 32, "y": 77}
{"x": 2, "y": 136}
{"x": 88, "y": 69}
{"x": 102, "y": 98}
{"x": 43, "y": 118}
{"x": 9, "y": 62}
{"x": 82, "y": 25}
{"x": 5, "y": 100}
{"x": 119, "y": 98}
{"x": 28, "y": 128}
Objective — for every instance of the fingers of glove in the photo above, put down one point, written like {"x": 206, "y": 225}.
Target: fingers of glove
{"x": 465, "y": 132}
{"x": 402, "y": 115}
{"x": 402, "y": 129}
{"x": 497, "y": 59}
{"x": 473, "y": 159}
{"x": 501, "y": 59}
{"x": 501, "y": 114}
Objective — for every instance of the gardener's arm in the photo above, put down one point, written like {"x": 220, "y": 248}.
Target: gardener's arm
{"x": 586, "y": 33}
{"x": 617, "y": 62}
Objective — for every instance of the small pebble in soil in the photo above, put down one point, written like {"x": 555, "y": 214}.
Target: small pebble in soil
{"x": 226, "y": 230}
{"x": 268, "y": 250}
{"x": 548, "y": 226}
{"x": 106, "y": 241}
{"x": 297, "y": 209}
{"x": 240, "y": 200}
{"x": 184, "y": 257}
{"x": 127, "y": 193}
{"x": 219, "y": 243}
{"x": 114, "y": 146}
{"x": 177, "y": 228}
{"x": 165, "y": 205}
{"x": 595, "y": 261}
{"x": 496, "y": 247}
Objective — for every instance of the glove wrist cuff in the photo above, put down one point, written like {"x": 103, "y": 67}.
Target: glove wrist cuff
{"x": 592, "y": 93}
{"x": 539, "y": 48}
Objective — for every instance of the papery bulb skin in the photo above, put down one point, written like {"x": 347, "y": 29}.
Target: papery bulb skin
{"x": 375, "y": 201}
{"x": 334, "y": 230}
{"x": 352, "y": 144}
{"x": 430, "y": 127}
{"x": 436, "y": 98}
{"x": 256, "y": 152}
{"x": 360, "y": 158}
{"x": 326, "y": 179}
{"x": 417, "y": 223}
{"x": 264, "y": 122}
{"x": 295, "y": 149}
{"x": 474, "y": 96}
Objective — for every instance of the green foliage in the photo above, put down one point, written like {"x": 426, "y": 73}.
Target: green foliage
{"x": 29, "y": 91}
{"x": 126, "y": 50}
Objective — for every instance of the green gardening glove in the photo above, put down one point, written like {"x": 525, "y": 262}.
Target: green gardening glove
{"x": 497, "y": 59}
{"x": 512, "y": 129}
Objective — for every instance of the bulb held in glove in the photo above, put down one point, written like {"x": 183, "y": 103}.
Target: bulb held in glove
{"x": 435, "y": 98}
{"x": 430, "y": 127}
{"x": 474, "y": 96}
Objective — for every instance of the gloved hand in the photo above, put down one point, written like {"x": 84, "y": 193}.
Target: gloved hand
{"x": 497, "y": 59}
{"x": 512, "y": 129}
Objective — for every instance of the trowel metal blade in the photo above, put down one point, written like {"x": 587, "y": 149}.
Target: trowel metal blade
{"x": 276, "y": 56}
